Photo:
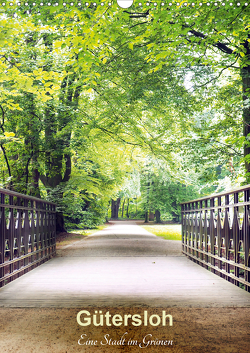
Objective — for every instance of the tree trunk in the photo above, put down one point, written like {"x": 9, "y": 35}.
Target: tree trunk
{"x": 158, "y": 216}
{"x": 146, "y": 216}
{"x": 245, "y": 75}
{"x": 35, "y": 183}
{"x": 127, "y": 212}
{"x": 60, "y": 228}
{"x": 151, "y": 216}
{"x": 123, "y": 204}
{"x": 115, "y": 204}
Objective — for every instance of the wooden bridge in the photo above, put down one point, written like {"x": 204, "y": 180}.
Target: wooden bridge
{"x": 123, "y": 269}
{"x": 124, "y": 264}
{"x": 121, "y": 265}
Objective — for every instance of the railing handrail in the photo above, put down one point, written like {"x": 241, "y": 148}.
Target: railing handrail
{"x": 32, "y": 198}
{"x": 224, "y": 193}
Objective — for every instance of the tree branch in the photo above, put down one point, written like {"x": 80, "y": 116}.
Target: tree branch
{"x": 137, "y": 15}
{"x": 6, "y": 160}
{"x": 223, "y": 47}
{"x": 215, "y": 78}
{"x": 3, "y": 117}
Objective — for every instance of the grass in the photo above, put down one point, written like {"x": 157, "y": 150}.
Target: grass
{"x": 76, "y": 234}
{"x": 88, "y": 231}
{"x": 166, "y": 231}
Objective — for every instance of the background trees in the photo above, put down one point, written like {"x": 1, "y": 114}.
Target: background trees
{"x": 145, "y": 105}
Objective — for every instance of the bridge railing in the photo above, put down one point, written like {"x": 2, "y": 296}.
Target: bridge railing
{"x": 216, "y": 234}
{"x": 27, "y": 234}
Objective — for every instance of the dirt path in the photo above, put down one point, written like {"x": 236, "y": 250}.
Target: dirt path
{"x": 207, "y": 330}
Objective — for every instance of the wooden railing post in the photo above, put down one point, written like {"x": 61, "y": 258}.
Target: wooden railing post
{"x": 212, "y": 233}
{"x": 227, "y": 236}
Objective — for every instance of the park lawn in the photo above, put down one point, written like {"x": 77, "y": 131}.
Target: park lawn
{"x": 166, "y": 231}
{"x": 76, "y": 234}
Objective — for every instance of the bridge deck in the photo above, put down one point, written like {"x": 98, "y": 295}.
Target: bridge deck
{"x": 122, "y": 265}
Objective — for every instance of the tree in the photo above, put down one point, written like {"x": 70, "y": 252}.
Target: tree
{"x": 161, "y": 193}
{"x": 115, "y": 204}
{"x": 77, "y": 79}
{"x": 191, "y": 36}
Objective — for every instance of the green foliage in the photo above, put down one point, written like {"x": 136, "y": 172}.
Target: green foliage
{"x": 99, "y": 103}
